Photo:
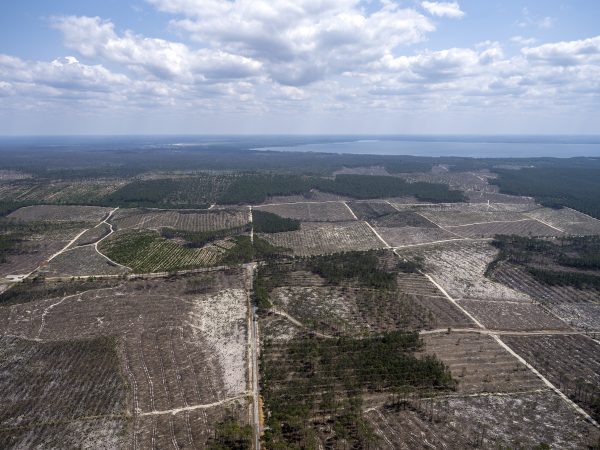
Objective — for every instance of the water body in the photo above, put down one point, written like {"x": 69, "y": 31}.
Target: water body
{"x": 509, "y": 146}
{"x": 493, "y": 147}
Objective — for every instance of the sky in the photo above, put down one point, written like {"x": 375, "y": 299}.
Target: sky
{"x": 299, "y": 67}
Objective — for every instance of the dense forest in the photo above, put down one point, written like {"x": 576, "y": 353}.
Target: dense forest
{"x": 574, "y": 187}
{"x": 256, "y": 188}
{"x": 363, "y": 267}
{"x": 371, "y": 186}
{"x": 266, "y": 222}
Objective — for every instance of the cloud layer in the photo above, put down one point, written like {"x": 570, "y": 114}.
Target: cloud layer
{"x": 304, "y": 56}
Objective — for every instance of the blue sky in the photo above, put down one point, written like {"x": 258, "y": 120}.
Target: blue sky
{"x": 302, "y": 66}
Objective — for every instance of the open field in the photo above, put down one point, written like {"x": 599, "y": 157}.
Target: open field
{"x": 515, "y": 276}
{"x": 572, "y": 363}
{"x": 406, "y": 236}
{"x": 403, "y": 219}
{"x": 311, "y": 212}
{"x": 37, "y": 246}
{"x": 469, "y": 214}
{"x": 370, "y": 210}
{"x": 523, "y": 420}
{"x": 568, "y": 220}
{"x": 60, "y": 192}
{"x": 81, "y": 261}
{"x": 46, "y": 391}
{"x": 465, "y": 181}
{"x": 192, "y": 220}
{"x": 181, "y": 347}
{"x": 460, "y": 266}
{"x": 494, "y": 197}
{"x": 352, "y": 311}
{"x": 579, "y": 308}
{"x": 93, "y": 235}
{"x": 497, "y": 315}
{"x": 480, "y": 364}
{"x": 355, "y": 311}
{"x": 320, "y": 238}
{"x": 57, "y": 213}
{"x": 519, "y": 228}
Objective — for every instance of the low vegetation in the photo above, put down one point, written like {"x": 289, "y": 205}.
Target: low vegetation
{"x": 198, "y": 239}
{"x": 33, "y": 289}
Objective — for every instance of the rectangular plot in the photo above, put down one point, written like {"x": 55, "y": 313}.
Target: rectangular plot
{"x": 311, "y": 212}
{"x": 371, "y": 210}
{"x": 569, "y": 220}
{"x": 468, "y": 215}
{"x": 61, "y": 213}
{"x": 521, "y": 228}
{"x": 490, "y": 422}
{"x": 442, "y": 312}
{"x": 319, "y": 239}
{"x": 584, "y": 316}
{"x": 181, "y": 220}
{"x": 459, "y": 267}
{"x": 518, "y": 278}
{"x": 59, "y": 381}
{"x": 480, "y": 364}
{"x": 406, "y": 236}
{"x": 512, "y": 316}
{"x": 571, "y": 363}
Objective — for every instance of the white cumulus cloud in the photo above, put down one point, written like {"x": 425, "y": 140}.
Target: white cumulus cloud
{"x": 443, "y": 9}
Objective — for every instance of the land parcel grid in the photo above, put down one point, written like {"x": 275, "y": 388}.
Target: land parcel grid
{"x": 356, "y": 293}
{"x": 489, "y": 422}
{"x": 32, "y": 235}
{"x": 314, "y": 388}
{"x": 160, "y": 240}
{"x": 325, "y": 321}
{"x": 460, "y": 268}
{"x": 184, "y": 220}
{"x": 570, "y": 362}
{"x": 176, "y": 361}
{"x": 562, "y": 274}
{"x": 315, "y": 238}
{"x": 311, "y": 212}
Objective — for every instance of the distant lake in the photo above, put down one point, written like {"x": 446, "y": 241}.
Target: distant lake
{"x": 546, "y": 147}
{"x": 498, "y": 146}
